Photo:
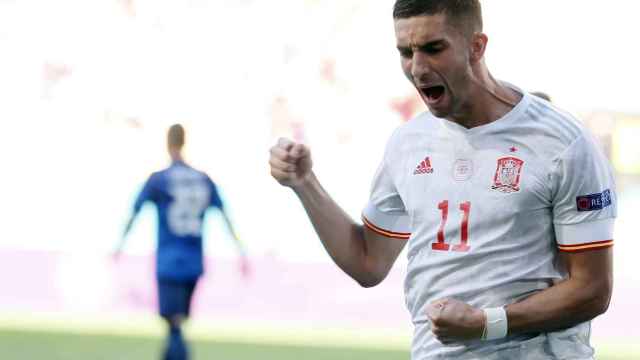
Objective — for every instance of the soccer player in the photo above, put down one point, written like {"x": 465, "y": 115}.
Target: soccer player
{"x": 506, "y": 204}
{"x": 182, "y": 195}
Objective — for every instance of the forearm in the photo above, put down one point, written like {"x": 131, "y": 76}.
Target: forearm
{"x": 341, "y": 236}
{"x": 563, "y": 305}
{"x": 125, "y": 232}
{"x": 234, "y": 235}
{"x": 128, "y": 226}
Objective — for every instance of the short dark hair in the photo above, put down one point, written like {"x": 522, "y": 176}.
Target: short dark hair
{"x": 542, "y": 95}
{"x": 175, "y": 136}
{"x": 463, "y": 14}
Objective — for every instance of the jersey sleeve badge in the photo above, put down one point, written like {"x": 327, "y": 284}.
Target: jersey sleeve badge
{"x": 593, "y": 202}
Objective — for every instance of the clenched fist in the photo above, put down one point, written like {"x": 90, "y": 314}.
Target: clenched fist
{"x": 290, "y": 163}
{"x": 453, "y": 320}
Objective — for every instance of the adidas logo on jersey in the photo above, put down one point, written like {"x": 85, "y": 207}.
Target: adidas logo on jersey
{"x": 424, "y": 167}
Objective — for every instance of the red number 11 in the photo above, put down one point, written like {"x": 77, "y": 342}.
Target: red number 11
{"x": 464, "y": 228}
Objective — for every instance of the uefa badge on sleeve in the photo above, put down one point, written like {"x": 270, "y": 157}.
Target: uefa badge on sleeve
{"x": 507, "y": 177}
{"x": 591, "y": 202}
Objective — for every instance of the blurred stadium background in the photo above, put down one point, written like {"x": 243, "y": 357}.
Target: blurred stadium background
{"x": 89, "y": 87}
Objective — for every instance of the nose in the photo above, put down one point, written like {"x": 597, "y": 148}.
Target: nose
{"x": 420, "y": 67}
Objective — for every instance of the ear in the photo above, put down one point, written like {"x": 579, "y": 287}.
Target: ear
{"x": 477, "y": 46}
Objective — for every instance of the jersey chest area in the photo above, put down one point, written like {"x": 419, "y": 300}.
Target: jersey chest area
{"x": 484, "y": 188}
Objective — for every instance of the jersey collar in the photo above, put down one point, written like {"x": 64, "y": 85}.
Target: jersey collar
{"x": 514, "y": 113}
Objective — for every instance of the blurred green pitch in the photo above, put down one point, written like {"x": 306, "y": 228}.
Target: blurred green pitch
{"x": 27, "y": 344}
{"x": 19, "y": 345}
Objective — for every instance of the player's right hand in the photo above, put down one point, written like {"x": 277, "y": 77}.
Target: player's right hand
{"x": 290, "y": 163}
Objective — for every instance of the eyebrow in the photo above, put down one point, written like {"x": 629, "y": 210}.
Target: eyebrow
{"x": 429, "y": 44}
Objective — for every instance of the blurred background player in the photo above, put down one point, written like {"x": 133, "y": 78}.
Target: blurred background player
{"x": 182, "y": 196}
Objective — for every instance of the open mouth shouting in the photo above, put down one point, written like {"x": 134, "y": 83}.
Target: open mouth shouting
{"x": 432, "y": 94}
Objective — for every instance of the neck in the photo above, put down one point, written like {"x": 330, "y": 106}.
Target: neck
{"x": 176, "y": 155}
{"x": 489, "y": 100}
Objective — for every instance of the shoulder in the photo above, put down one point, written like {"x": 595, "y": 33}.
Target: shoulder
{"x": 558, "y": 122}
{"x": 199, "y": 175}
{"x": 554, "y": 130}
{"x": 194, "y": 171}
{"x": 156, "y": 176}
{"x": 207, "y": 178}
{"x": 202, "y": 175}
{"x": 153, "y": 183}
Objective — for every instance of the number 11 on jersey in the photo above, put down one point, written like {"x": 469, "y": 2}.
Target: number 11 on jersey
{"x": 440, "y": 244}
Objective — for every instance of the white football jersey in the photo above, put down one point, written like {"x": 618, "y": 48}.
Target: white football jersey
{"x": 486, "y": 211}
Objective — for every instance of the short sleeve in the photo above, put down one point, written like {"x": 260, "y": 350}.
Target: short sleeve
{"x": 215, "y": 200}
{"x": 147, "y": 193}
{"x": 584, "y": 202}
{"x": 385, "y": 212}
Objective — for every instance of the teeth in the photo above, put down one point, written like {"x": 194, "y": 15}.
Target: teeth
{"x": 433, "y": 92}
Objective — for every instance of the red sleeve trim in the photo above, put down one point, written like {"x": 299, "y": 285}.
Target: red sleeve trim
{"x": 387, "y": 233}
{"x": 587, "y": 246}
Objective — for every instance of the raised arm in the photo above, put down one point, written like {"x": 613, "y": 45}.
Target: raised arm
{"x": 361, "y": 253}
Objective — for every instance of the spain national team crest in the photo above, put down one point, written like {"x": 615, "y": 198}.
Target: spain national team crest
{"x": 507, "y": 177}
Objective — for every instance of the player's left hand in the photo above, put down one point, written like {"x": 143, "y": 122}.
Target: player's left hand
{"x": 453, "y": 320}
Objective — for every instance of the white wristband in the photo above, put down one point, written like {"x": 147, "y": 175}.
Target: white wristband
{"x": 496, "y": 323}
